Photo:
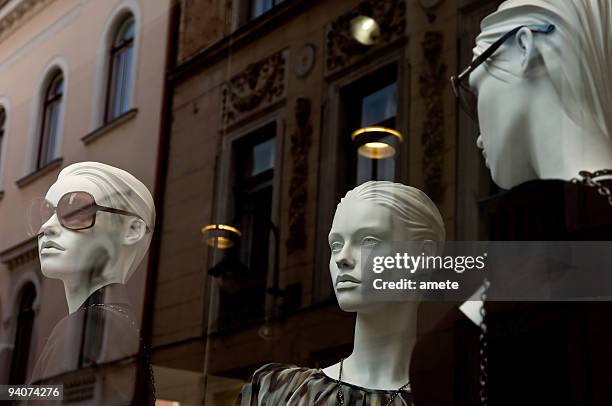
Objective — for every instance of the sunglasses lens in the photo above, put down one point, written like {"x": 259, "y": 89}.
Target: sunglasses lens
{"x": 76, "y": 210}
{"x": 39, "y": 211}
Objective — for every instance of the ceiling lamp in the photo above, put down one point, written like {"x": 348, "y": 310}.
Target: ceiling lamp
{"x": 376, "y": 142}
{"x": 220, "y": 235}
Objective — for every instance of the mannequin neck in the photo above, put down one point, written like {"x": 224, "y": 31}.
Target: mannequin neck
{"x": 78, "y": 291}
{"x": 574, "y": 149}
{"x": 383, "y": 344}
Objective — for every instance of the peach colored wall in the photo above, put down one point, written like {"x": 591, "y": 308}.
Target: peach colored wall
{"x": 72, "y": 31}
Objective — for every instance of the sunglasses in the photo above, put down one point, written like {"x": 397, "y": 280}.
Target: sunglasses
{"x": 77, "y": 211}
{"x": 468, "y": 101}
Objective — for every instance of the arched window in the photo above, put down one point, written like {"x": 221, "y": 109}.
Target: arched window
{"x": 120, "y": 70}
{"x": 2, "y": 131}
{"x": 23, "y": 337}
{"x": 51, "y": 109}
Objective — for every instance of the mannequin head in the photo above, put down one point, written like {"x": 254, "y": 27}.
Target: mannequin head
{"x": 543, "y": 107}
{"x": 375, "y": 212}
{"x": 110, "y": 250}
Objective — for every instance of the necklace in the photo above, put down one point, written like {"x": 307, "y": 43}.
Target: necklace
{"x": 590, "y": 179}
{"x": 340, "y": 396}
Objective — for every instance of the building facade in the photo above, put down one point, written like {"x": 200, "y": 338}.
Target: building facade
{"x": 265, "y": 98}
{"x": 81, "y": 80}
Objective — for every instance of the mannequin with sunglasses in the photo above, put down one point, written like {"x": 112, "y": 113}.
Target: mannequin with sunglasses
{"x": 94, "y": 227}
{"x": 537, "y": 87}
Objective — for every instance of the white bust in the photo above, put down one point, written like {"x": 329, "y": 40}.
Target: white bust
{"x": 545, "y": 100}
{"x": 385, "y": 332}
{"x": 105, "y": 252}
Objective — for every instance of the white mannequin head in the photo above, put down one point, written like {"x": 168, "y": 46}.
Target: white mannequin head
{"x": 373, "y": 212}
{"x": 111, "y": 250}
{"x": 544, "y": 100}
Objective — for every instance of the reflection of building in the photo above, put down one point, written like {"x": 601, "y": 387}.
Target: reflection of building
{"x": 80, "y": 80}
{"x": 265, "y": 97}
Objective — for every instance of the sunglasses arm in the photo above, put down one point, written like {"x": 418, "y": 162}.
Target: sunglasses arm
{"x": 125, "y": 213}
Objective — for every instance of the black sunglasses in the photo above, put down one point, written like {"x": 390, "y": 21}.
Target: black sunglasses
{"x": 77, "y": 211}
{"x": 464, "y": 94}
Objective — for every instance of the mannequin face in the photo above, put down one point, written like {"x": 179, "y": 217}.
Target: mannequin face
{"x": 513, "y": 108}
{"x": 358, "y": 224}
{"x": 80, "y": 255}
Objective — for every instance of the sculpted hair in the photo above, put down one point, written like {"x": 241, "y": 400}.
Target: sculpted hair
{"x": 410, "y": 205}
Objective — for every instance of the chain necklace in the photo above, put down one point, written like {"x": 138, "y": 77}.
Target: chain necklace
{"x": 482, "y": 341}
{"x": 147, "y": 352}
{"x": 589, "y": 179}
{"x": 340, "y": 395}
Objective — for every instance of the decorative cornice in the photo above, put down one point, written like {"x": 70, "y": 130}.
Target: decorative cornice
{"x": 13, "y": 14}
{"x": 342, "y": 49}
{"x": 22, "y": 254}
{"x": 261, "y": 84}
{"x": 432, "y": 85}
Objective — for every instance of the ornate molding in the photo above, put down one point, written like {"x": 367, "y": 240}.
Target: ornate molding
{"x": 20, "y": 255}
{"x": 14, "y": 13}
{"x": 432, "y": 85}
{"x": 342, "y": 49}
{"x": 301, "y": 141}
{"x": 260, "y": 85}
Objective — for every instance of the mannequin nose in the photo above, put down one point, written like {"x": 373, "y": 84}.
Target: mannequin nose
{"x": 345, "y": 260}
{"x": 479, "y": 143}
{"x": 51, "y": 226}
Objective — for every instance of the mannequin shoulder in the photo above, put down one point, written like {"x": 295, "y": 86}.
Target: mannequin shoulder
{"x": 274, "y": 383}
{"x": 279, "y": 369}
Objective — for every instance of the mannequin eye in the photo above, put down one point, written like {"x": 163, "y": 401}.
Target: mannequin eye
{"x": 336, "y": 246}
{"x": 370, "y": 241}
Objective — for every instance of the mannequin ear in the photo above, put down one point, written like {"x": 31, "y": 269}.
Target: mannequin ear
{"x": 135, "y": 229}
{"x": 527, "y": 49}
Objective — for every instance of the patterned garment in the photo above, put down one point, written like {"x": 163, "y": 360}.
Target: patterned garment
{"x": 280, "y": 384}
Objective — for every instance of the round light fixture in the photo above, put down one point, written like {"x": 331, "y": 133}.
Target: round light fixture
{"x": 221, "y": 236}
{"x": 377, "y": 142}
{"x": 365, "y": 30}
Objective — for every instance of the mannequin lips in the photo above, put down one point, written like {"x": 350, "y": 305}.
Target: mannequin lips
{"x": 347, "y": 281}
{"x": 49, "y": 247}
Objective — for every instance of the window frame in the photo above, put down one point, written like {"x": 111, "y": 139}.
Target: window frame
{"x": 43, "y": 154}
{"x": 3, "y": 142}
{"x": 114, "y": 50}
{"x": 224, "y": 208}
{"x": 19, "y": 370}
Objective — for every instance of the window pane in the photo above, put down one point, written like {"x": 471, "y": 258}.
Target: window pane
{"x": 51, "y": 132}
{"x": 127, "y": 31}
{"x": 379, "y": 106}
{"x": 260, "y": 7}
{"x": 23, "y": 337}
{"x": 263, "y": 157}
{"x": 2, "y": 129}
{"x": 121, "y": 82}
